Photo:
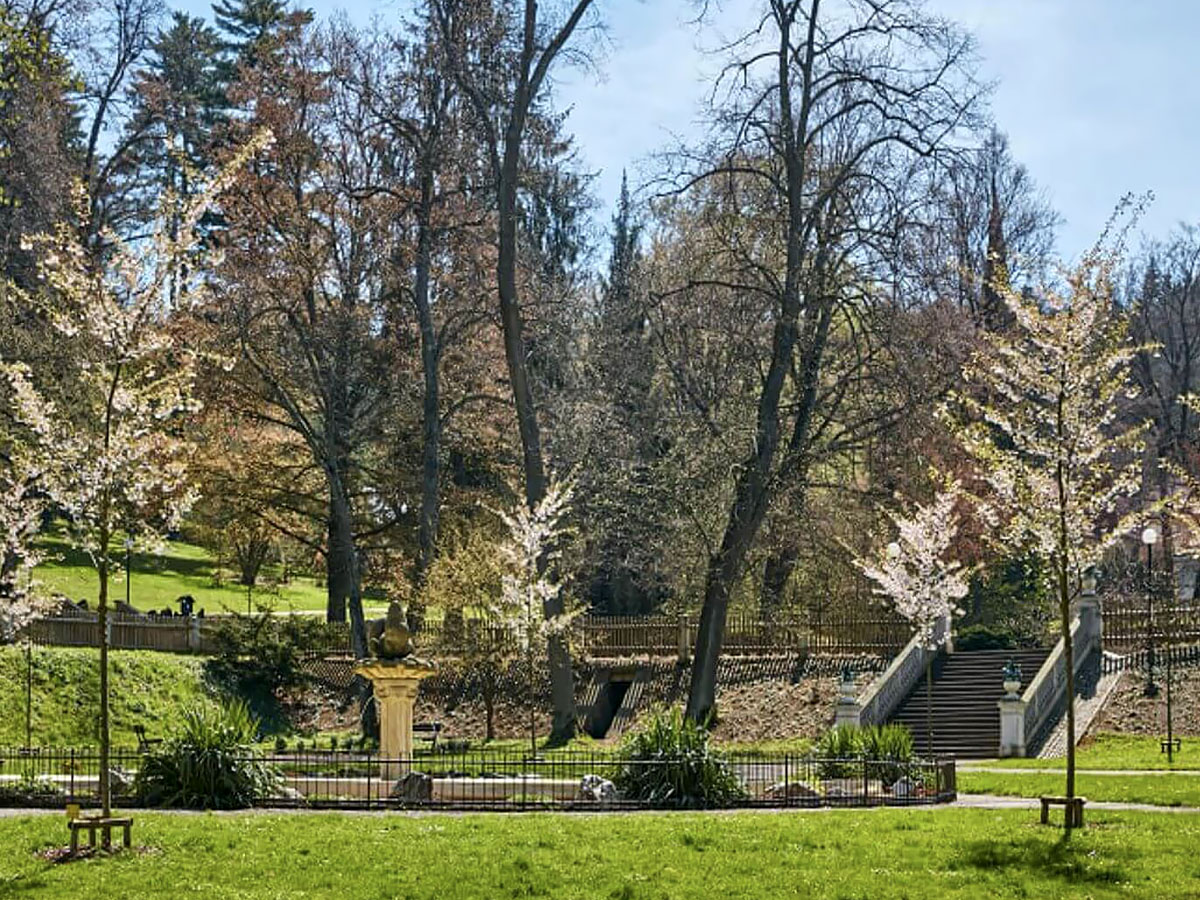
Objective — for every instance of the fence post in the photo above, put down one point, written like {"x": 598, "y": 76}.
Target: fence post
{"x": 683, "y": 646}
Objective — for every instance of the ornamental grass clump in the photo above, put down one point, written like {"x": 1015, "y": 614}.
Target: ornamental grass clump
{"x": 668, "y": 763}
{"x": 885, "y": 752}
{"x": 210, "y": 763}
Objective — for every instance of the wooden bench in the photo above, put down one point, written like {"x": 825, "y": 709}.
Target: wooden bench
{"x": 428, "y": 728}
{"x": 91, "y": 823}
{"x": 1073, "y": 809}
{"x": 145, "y": 743}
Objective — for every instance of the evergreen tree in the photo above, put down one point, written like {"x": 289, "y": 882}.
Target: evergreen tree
{"x": 624, "y": 505}
{"x": 248, "y": 27}
{"x": 179, "y": 98}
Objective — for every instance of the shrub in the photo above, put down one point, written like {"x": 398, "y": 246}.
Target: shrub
{"x": 258, "y": 656}
{"x": 890, "y": 750}
{"x": 209, "y": 764}
{"x": 887, "y": 750}
{"x": 668, "y": 762}
{"x": 986, "y": 637}
{"x": 838, "y": 750}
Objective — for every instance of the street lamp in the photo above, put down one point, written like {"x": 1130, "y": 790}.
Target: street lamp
{"x": 128, "y": 551}
{"x": 1150, "y": 538}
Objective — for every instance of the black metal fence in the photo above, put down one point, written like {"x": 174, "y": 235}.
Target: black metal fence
{"x": 1179, "y": 656}
{"x": 340, "y": 779}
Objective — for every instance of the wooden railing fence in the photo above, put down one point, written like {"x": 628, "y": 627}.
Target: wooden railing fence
{"x": 879, "y": 633}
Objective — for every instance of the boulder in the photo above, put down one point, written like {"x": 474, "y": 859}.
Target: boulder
{"x": 906, "y": 787}
{"x": 415, "y": 787}
{"x": 597, "y": 789}
{"x": 793, "y": 790}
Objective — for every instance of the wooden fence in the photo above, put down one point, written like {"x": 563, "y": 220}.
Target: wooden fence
{"x": 879, "y": 634}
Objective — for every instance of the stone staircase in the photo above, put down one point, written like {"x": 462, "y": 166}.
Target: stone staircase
{"x": 966, "y": 686}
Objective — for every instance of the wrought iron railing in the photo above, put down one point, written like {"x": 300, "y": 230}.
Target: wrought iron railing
{"x": 482, "y": 780}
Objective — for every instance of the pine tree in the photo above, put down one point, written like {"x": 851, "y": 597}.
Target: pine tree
{"x": 248, "y": 26}
{"x": 624, "y": 505}
{"x": 179, "y": 105}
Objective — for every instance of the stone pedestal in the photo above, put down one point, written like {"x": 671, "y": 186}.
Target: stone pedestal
{"x": 848, "y": 712}
{"x": 395, "y": 683}
{"x": 1012, "y": 726}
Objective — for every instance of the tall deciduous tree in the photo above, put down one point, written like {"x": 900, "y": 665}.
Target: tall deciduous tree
{"x": 500, "y": 57}
{"x": 299, "y": 301}
{"x": 830, "y": 113}
{"x": 1048, "y": 434}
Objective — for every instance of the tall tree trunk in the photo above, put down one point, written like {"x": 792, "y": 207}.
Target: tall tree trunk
{"x": 562, "y": 678}
{"x": 337, "y": 568}
{"x": 1064, "y": 604}
{"x": 344, "y": 570}
{"x": 431, "y": 423}
{"x": 102, "y": 622}
{"x": 777, "y": 571}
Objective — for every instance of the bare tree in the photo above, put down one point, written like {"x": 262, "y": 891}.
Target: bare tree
{"x": 502, "y": 66}
{"x": 827, "y": 113}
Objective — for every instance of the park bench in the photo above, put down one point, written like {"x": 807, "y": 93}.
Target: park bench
{"x": 429, "y": 731}
{"x": 90, "y": 824}
{"x": 1072, "y": 807}
{"x": 144, "y": 743}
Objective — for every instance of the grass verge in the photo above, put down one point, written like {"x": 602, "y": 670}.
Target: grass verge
{"x": 1160, "y": 790}
{"x": 1117, "y": 751}
{"x": 955, "y": 853}
{"x": 158, "y": 580}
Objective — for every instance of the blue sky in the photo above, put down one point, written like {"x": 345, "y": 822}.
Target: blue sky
{"x": 1099, "y": 97}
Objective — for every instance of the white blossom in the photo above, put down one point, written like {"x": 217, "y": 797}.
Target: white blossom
{"x": 916, "y": 572}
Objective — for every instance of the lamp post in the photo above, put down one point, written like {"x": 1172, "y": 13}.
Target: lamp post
{"x": 1150, "y": 538}
{"x": 128, "y": 552}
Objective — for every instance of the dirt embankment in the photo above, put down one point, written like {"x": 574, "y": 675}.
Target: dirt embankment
{"x": 1130, "y": 711}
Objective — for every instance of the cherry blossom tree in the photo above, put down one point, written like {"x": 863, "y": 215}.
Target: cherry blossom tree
{"x": 531, "y": 603}
{"x": 1042, "y": 419}
{"x": 917, "y": 574}
{"x": 114, "y": 453}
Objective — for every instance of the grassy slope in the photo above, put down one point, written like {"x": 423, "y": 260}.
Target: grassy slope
{"x": 159, "y": 580}
{"x": 147, "y": 688}
{"x": 1117, "y": 751}
{"x": 875, "y": 854}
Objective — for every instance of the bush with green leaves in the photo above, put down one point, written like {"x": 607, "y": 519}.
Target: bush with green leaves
{"x": 668, "y": 762}
{"x": 258, "y": 656}
{"x": 986, "y": 637}
{"x": 838, "y": 751}
{"x": 210, "y": 763}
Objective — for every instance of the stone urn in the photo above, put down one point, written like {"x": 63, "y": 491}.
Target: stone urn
{"x": 1012, "y": 680}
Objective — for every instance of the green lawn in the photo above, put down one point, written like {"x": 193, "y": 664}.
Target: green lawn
{"x": 1117, "y": 751}
{"x": 147, "y": 689}
{"x": 159, "y": 580}
{"x": 1160, "y": 790}
{"x": 844, "y": 854}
